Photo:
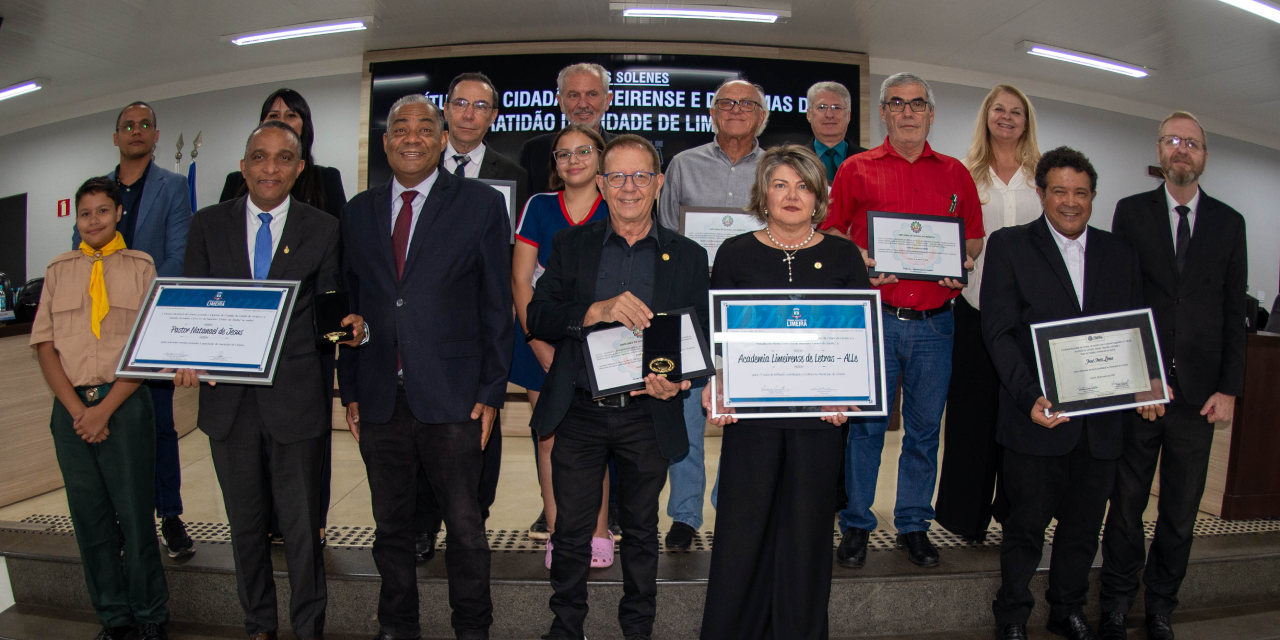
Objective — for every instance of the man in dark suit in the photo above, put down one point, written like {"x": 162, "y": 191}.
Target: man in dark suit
{"x": 268, "y": 441}
{"x": 1194, "y": 275}
{"x": 157, "y": 215}
{"x": 582, "y": 91}
{"x": 471, "y": 110}
{"x": 427, "y": 261}
{"x": 622, "y": 269}
{"x": 1055, "y": 268}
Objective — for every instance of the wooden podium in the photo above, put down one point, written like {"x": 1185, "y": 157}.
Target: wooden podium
{"x": 1252, "y": 488}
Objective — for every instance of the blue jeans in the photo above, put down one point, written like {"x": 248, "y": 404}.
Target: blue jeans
{"x": 168, "y": 466}
{"x": 921, "y": 351}
{"x": 689, "y": 472}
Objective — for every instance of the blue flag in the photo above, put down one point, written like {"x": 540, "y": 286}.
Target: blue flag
{"x": 191, "y": 184}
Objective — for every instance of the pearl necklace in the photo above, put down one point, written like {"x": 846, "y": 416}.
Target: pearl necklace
{"x": 792, "y": 249}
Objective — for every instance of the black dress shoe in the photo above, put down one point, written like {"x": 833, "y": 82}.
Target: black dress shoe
{"x": 1158, "y": 627}
{"x": 852, "y": 553}
{"x": 1073, "y": 626}
{"x": 1011, "y": 632}
{"x": 680, "y": 536}
{"x": 1112, "y": 626}
{"x": 538, "y": 530}
{"x": 920, "y": 551}
{"x": 424, "y": 545}
{"x": 112, "y": 633}
{"x": 152, "y": 631}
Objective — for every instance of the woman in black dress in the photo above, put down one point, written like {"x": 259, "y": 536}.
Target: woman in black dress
{"x": 771, "y": 564}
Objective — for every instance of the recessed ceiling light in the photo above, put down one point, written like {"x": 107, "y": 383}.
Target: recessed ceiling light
{"x": 1264, "y": 9}
{"x": 1086, "y": 59}
{"x": 13, "y": 91}
{"x": 300, "y": 31}
{"x": 700, "y": 12}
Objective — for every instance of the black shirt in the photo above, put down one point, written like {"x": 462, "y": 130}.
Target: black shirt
{"x": 130, "y": 201}
{"x": 744, "y": 262}
{"x": 622, "y": 268}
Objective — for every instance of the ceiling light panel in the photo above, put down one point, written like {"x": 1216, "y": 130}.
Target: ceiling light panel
{"x": 325, "y": 27}
{"x": 1084, "y": 59}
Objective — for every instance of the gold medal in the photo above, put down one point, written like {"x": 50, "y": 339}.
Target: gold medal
{"x": 335, "y": 336}
{"x": 662, "y": 366}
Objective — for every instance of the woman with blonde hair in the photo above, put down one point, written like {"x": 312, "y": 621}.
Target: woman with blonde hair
{"x": 1002, "y": 160}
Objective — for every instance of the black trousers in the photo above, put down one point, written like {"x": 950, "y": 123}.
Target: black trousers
{"x": 254, "y": 482}
{"x": 1180, "y": 441}
{"x": 325, "y": 480}
{"x": 429, "y": 518}
{"x": 1072, "y": 488}
{"x": 585, "y": 439}
{"x": 451, "y": 457}
{"x": 971, "y": 457}
{"x": 771, "y": 567}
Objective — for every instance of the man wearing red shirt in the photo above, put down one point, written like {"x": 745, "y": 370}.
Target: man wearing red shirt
{"x": 903, "y": 175}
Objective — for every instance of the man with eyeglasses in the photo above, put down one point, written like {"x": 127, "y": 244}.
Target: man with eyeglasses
{"x": 1192, "y": 249}
{"x": 829, "y": 114}
{"x": 632, "y": 268}
{"x": 582, "y": 91}
{"x": 903, "y": 175}
{"x": 157, "y": 214}
{"x": 717, "y": 174}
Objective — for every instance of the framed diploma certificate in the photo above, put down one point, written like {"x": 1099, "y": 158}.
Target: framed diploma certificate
{"x": 711, "y": 226}
{"x": 231, "y": 329}
{"x": 508, "y": 190}
{"x": 793, "y": 353}
{"x": 916, "y": 247}
{"x": 614, "y": 355}
{"x": 1100, "y": 363}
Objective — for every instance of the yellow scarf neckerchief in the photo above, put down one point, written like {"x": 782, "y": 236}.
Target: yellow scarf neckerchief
{"x": 97, "y": 285}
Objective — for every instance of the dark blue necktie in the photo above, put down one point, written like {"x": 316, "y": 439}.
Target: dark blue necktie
{"x": 262, "y": 248}
{"x": 1184, "y": 237}
{"x": 461, "y": 169}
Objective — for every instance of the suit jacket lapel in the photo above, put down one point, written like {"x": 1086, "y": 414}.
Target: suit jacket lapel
{"x": 237, "y": 238}
{"x": 1158, "y": 221}
{"x": 489, "y": 168}
{"x": 290, "y": 239}
{"x": 1045, "y": 244}
{"x": 589, "y": 263}
{"x": 382, "y": 225}
{"x": 663, "y": 271}
{"x": 1093, "y": 271}
{"x": 150, "y": 192}
{"x": 1202, "y": 228}
{"x": 440, "y": 191}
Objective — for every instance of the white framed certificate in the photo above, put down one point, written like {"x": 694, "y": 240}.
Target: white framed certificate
{"x": 916, "y": 247}
{"x": 614, "y": 355}
{"x": 1100, "y": 363}
{"x": 508, "y": 190}
{"x": 232, "y": 329}
{"x": 784, "y": 353}
{"x": 711, "y": 226}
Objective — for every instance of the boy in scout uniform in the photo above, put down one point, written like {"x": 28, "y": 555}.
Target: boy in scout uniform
{"x": 104, "y": 429}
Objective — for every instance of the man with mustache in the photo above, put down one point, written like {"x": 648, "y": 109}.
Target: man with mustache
{"x": 719, "y": 173}
{"x": 582, "y": 91}
{"x": 1194, "y": 274}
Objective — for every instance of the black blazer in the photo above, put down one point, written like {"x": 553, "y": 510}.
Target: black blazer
{"x": 335, "y": 197}
{"x": 447, "y": 321}
{"x": 218, "y": 247}
{"x": 1200, "y": 315}
{"x": 1024, "y": 282}
{"x": 568, "y": 288}
{"x": 535, "y": 157}
{"x": 499, "y": 167}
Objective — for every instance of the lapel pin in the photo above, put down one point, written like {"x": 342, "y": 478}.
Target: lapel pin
{"x": 817, "y": 265}
{"x": 286, "y": 248}
{"x": 666, "y": 256}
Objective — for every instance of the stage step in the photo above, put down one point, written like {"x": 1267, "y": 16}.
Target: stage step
{"x": 889, "y": 596}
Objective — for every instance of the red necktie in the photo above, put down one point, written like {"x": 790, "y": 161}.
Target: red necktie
{"x": 400, "y": 234}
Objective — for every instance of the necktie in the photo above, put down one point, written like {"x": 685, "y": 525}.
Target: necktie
{"x": 400, "y": 234}
{"x": 462, "y": 161}
{"x": 262, "y": 248}
{"x": 97, "y": 284}
{"x": 1184, "y": 237}
{"x": 829, "y": 161}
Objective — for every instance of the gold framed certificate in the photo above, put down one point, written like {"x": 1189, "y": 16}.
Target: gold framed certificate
{"x": 1100, "y": 363}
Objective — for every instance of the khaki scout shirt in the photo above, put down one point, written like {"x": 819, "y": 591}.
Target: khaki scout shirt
{"x": 64, "y": 313}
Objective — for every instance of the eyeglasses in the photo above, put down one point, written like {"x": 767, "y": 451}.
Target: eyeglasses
{"x": 1173, "y": 142}
{"x": 130, "y": 127}
{"x": 833, "y": 109}
{"x": 640, "y": 179}
{"x": 562, "y": 155}
{"x": 480, "y": 106}
{"x": 897, "y": 105}
{"x": 725, "y": 104}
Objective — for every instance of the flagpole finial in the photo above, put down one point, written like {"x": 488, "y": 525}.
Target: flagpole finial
{"x": 177, "y": 157}
{"x": 195, "y": 145}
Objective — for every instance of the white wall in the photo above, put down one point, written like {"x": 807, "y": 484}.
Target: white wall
{"x": 51, "y": 161}
{"x": 1245, "y": 176}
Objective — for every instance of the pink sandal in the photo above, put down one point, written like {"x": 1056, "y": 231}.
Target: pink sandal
{"x": 601, "y": 552}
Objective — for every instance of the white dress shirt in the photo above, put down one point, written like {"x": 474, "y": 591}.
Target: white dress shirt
{"x": 253, "y": 223}
{"x": 1073, "y": 255}
{"x": 1003, "y": 205}
{"x": 472, "y": 170}
{"x": 1173, "y": 215}
{"x": 423, "y": 188}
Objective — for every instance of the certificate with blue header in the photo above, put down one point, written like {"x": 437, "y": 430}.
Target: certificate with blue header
{"x": 797, "y": 353}
{"x": 230, "y": 329}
